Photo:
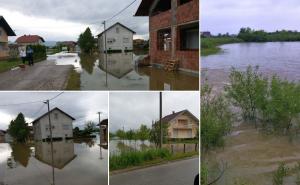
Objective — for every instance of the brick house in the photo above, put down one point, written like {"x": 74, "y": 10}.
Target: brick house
{"x": 26, "y": 40}
{"x": 174, "y": 32}
{"x": 181, "y": 125}
{"x": 5, "y": 31}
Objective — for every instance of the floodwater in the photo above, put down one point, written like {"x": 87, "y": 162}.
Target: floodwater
{"x": 250, "y": 157}
{"x": 76, "y": 162}
{"x": 281, "y": 58}
{"x": 122, "y": 73}
{"x": 117, "y": 146}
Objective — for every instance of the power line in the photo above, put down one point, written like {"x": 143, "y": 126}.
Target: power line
{"x": 121, "y": 11}
{"x": 56, "y": 96}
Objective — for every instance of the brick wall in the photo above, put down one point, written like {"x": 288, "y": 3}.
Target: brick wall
{"x": 188, "y": 60}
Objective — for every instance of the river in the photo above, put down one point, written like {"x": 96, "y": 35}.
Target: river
{"x": 76, "y": 162}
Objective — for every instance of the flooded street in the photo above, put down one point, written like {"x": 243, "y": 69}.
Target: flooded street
{"x": 250, "y": 157}
{"x": 122, "y": 73}
{"x": 76, "y": 162}
{"x": 281, "y": 58}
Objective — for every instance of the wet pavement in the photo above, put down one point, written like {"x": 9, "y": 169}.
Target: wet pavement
{"x": 121, "y": 73}
{"x": 174, "y": 173}
{"x": 76, "y": 162}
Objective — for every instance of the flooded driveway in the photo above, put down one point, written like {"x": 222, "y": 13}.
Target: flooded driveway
{"x": 76, "y": 162}
{"x": 121, "y": 73}
{"x": 250, "y": 157}
{"x": 281, "y": 58}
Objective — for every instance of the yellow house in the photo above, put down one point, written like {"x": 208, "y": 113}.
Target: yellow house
{"x": 5, "y": 31}
{"x": 181, "y": 125}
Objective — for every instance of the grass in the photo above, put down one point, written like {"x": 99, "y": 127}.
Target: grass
{"x": 142, "y": 158}
{"x": 6, "y": 65}
{"x": 210, "y": 46}
{"x": 73, "y": 81}
{"x": 183, "y": 141}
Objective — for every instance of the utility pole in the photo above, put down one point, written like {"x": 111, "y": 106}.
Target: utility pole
{"x": 99, "y": 113}
{"x": 105, "y": 50}
{"x": 160, "y": 117}
{"x": 51, "y": 141}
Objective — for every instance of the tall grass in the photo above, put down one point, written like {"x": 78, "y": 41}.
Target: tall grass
{"x": 136, "y": 158}
{"x": 209, "y": 46}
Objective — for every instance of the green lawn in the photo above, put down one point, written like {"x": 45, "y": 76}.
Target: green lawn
{"x": 210, "y": 46}
{"x": 73, "y": 81}
{"x": 6, "y": 65}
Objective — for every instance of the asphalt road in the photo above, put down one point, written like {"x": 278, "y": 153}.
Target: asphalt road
{"x": 42, "y": 76}
{"x": 175, "y": 173}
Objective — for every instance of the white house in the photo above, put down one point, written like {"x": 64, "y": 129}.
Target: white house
{"x": 62, "y": 125}
{"x": 119, "y": 38}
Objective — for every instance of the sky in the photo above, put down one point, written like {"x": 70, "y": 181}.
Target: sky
{"x": 83, "y": 106}
{"x": 133, "y": 109}
{"x": 222, "y": 16}
{"x": 60, "y": 20}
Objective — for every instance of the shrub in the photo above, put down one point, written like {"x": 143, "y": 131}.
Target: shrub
{"x": 279, "y": 174}
{"x": 39, "y": 52}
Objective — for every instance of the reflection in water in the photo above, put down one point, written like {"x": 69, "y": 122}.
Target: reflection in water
{"x": 122, "y": 73}
{"x": 71, "y": 161}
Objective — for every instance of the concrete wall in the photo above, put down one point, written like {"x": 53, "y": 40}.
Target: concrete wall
{"x": 118, "y": 39}
{"x": 62, "y": 126}
{"x": 183, "y": 131}
{"x": 174, "y": 18}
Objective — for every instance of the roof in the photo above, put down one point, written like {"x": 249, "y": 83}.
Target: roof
{"x": 3, "y": 131}
{"x": 68, "y": 43}
{"x": 114, "y": 26}
{"x": 6, "y": 27}
{"x": 37, "y": 119}
{"x": 29, "y": 39}
{"x": 170, "y": 117}
{"x": 103, "y": 122}
{"x": 144, "y": 8}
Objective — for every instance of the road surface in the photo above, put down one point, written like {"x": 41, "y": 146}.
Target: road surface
{"x": 175, "y": 173}
{"x": 42, "y": 76}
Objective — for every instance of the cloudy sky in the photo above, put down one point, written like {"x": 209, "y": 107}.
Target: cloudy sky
{"x": 221, "y": 16}
{"x": 133, "y": 109}
{"x": 83, "y": 106}
{"x": 57, "y": 20}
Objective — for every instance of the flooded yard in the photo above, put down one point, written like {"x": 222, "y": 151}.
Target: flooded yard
{"x": 75, "y": 162}
{"x": 122, "y": 73}
{"x": 116, "y": 146}
{"x": 250, "y": 157}
{"x": 281, "y": 58}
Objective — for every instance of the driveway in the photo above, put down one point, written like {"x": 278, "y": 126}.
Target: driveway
{"x": 42, "y": 76}
{"x": 174, "y": 173}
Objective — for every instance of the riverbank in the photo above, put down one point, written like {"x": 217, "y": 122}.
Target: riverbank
{"x": 132, "y": 160}
{"x": 210, "y": 46}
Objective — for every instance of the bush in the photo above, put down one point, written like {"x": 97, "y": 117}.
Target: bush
{"x": 279, "y": 174}
{"x": 39, "y": 52}
{"x": 216, "y": 119}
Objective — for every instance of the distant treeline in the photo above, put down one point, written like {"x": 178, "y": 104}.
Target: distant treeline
{"x": 251, "y": 35}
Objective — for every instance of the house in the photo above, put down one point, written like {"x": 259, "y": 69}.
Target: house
{"x": 2, "y": 136}
{"x": 181, "y": 125}
{"x": 62, "y": 125}
{"x": 69, "y": 45}
{"x": 5, "y": 32}
{"x": 103, "y": 131}
{"x": 63, "y": 153}
{"x": 173, "y": 32}
{"x": 26, "y": 40}
{"x": 206, "y": 34}
{"x": 119, "y": 38}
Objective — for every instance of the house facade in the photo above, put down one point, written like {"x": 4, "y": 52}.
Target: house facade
{"x": 26, "y": 40}
{"x": 103, "y": 132}
{"x": 119, "y": 38}
{"x": 69, "y": 45}
{"x": 62, "y": 126}
{"x": 173, "y": 32}
{"x": 5, "y": 32}
{"x": 181, "y": 125}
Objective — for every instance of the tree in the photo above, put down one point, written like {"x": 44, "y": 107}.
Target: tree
{"x": 86, "y": 41}
{"x": 19, "y": 129}
{"x": 90, "y": 127}
{"x": 120, "y": 134}
{"x": 155, "y": 133}
{"x": 143, "y": 133}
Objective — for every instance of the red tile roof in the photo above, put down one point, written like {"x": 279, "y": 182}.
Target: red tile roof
{"x": 29, "y": 39}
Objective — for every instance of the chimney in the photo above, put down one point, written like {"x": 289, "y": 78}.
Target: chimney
{"x": 173, "y": 112}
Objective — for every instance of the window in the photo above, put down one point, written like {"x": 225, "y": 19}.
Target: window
{"x": 164, "y": 40}
{"x": 175, "y": 133}
{"x": 189, "y": 37}
{"x": 111, "y": 40}
{"x": 162, "y": 6}
{"x": 183, "y": 122}
{"x": 55, "y": 115}
{"x": 117, "y": 30}
{"x": 181, "y": 2}
{"x": 125, "y": 40}
{"x": 66, "y": 127}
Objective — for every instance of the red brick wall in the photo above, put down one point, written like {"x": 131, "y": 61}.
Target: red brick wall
{"x": 185, "y": 13}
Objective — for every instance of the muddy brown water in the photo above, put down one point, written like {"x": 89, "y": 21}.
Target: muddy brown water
{"x": 122, "y": 73}
{"x": 75, "y": 163}
{"x": 251, "y": 157}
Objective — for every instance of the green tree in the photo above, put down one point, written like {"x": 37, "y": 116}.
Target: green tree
{"x": 19, "y": 129}
{"x": 121, "y": 134}
{"x": 86, "y": 41}
{"x": 155, "y": 133}
{"x": 90, "y": 127}
{"x": 143, "y": 133}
